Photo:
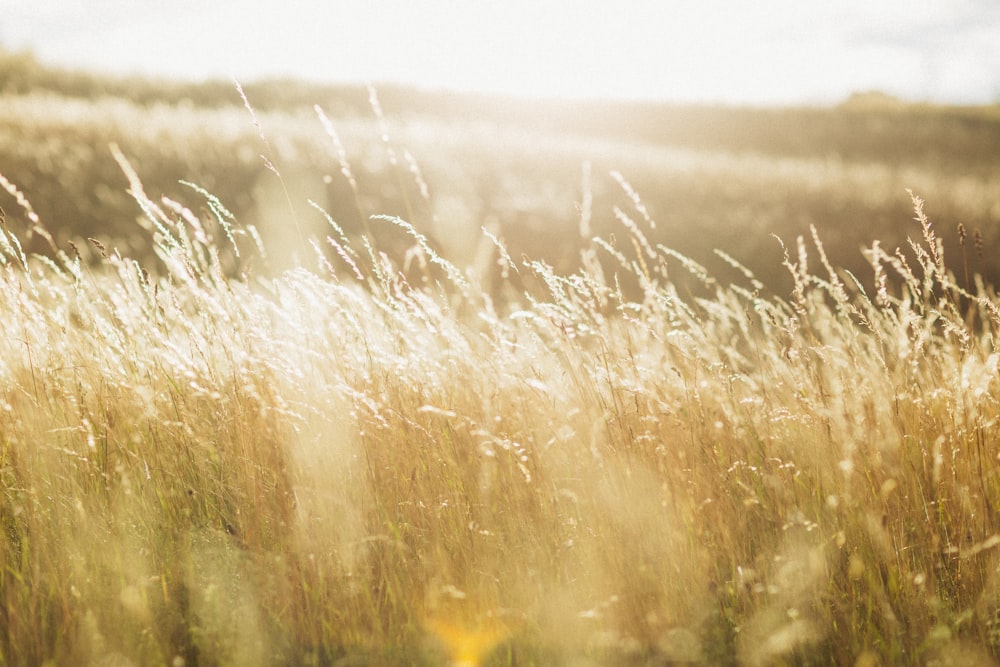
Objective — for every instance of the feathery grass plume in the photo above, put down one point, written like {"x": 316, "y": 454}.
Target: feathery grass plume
{"x": 506, "y": 262}
{"x": 453, "y": 273}
{"x": 345, "y": 166}
{"x": 224, "y": 217}
{"x": 634, "y": 197}
{"x": 736, "y": 264}
{"x": 36, "y": 224}
{"x": 390, "y": 150}
{"x": 341, "y": 245}
{"x": 268, "y": 159}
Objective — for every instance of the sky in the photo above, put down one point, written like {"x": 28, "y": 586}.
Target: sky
{"x": 762, "y": 52}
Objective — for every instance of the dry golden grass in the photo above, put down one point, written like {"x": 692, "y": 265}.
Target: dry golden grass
{"x": 357, "y": 462}
{"x": 340, "y": 463}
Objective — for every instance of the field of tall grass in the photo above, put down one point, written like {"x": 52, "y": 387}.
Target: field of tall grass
{"x": 367, "y": 454}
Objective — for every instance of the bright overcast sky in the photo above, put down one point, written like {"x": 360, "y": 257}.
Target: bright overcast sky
{"x": 731, "y": 51}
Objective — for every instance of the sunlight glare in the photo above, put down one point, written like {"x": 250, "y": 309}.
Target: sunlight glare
{"x": 774, "y": 51}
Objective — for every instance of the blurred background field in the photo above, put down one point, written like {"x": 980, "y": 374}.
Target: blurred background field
{"x": 710, "y": 176}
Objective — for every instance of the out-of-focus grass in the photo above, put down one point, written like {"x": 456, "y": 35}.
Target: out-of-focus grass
{"x": 710, "y": 177}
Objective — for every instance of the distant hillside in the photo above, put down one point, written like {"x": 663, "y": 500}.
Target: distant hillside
{"x": 713, "y": 177}
{"x": 868, "y": 125}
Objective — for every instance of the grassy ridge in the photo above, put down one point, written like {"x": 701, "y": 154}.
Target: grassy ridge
{"x": 345, "y": 463}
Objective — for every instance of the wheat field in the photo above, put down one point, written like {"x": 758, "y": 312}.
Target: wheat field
{"x": 381, "y": 456}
